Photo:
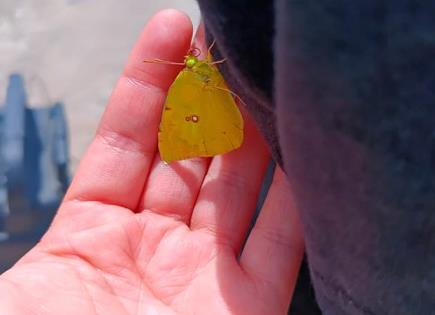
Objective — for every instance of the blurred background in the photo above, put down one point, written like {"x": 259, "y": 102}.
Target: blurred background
{"x": 59, "y": 60}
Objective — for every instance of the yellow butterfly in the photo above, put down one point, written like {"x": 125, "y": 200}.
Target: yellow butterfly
{"x": 200, "y": 117}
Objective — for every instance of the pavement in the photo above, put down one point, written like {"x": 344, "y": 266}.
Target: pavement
{"x": 70, "y": 51}
{"x": 73, "y": 51}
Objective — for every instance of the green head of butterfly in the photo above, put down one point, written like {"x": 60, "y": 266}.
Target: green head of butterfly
{"x": 190, "y": 61}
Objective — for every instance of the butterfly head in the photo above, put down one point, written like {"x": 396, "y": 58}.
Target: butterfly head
{"x": 190, "y": 61}
{"x": 192, "y": 57}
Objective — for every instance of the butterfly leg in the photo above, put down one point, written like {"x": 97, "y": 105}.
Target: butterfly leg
{"x": 211, "y": 46}
{"x": 218, "y": 61}
{"x": 210, "y": 62}
{"x": 234, "y": 94}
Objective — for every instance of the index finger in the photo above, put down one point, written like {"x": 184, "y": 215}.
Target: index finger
{"x": 116, "y": 165}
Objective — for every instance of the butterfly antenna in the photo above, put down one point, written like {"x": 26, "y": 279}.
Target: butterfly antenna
{"x": 165, "y": 62}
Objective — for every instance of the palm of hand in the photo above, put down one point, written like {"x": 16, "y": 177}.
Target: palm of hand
{"x": 158, "y": 239}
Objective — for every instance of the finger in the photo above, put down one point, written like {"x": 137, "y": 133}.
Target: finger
{"x": 273, "y": 252}
{"x": 230, "y": 190}
{"x": 172, "y": 189}
{"x": 116, "y": 165}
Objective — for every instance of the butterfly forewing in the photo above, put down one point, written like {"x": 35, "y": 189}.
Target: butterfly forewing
{"x": 200, "y": 117}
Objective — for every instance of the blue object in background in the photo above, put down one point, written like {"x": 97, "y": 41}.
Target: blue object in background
{"x": 33, "y": 170}
{"x": 4, "y": 204}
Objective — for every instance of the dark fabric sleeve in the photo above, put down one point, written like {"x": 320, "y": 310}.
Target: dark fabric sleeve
{"x": 351, "y": 109}
{"x": 244, "y": 32}
{"x": 355, "y": 104}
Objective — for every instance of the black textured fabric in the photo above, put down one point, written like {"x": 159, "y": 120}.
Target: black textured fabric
{"x": 244, "y": 33}
{"x": 303, "y": 300}
{"x": 352, "y": 107}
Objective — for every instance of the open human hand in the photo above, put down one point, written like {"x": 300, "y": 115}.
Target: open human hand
{"x": 137, "y": 236}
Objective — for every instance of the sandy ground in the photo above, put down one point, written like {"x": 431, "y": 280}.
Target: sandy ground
{"x": 73, "y": 51}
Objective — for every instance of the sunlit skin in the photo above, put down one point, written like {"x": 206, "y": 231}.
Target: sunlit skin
{"x": 137, "y": 236}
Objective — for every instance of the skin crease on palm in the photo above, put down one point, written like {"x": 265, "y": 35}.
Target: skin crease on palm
{"x": 136, "y": 236}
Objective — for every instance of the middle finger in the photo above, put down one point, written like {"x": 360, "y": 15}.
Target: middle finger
{"x": 172, "y": 189}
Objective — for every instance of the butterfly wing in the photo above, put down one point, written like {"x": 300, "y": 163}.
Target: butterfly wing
{"x": 200, "y": 118}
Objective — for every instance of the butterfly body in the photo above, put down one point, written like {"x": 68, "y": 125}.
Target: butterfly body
{"x": 200, "y": 117}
